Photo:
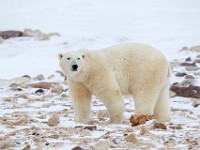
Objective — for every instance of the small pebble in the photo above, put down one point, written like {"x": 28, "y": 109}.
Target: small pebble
{"x": 77, "y": 148}
{"x": 53, "y": 121}
{"x": 39, "y": 91}
{"x": 180, "y": 74}
{"x": 39, "y": 77}
{"x": 131, "y": 138}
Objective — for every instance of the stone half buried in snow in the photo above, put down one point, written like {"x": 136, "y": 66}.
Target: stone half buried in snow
{"x": 7, "y": 144}
{"x": 160, "y": 126}
{"x": 131, "y": 138}
{"x": 38, "y": 35}
{"x": 39, "y": 77}
{"x": 10, "y": 34}
{"x": 195, "y": 49}
{"x": 102, "y": 145}
{"x": 195, "y": 102}
{"x": 190, "y": 91}
{"x": 57, "y": 89}
{"x": 53, "y": 121}
{"x": 191, "y": 68}
{"x": 42, "y": 85}
{"x": 85, "y": 132}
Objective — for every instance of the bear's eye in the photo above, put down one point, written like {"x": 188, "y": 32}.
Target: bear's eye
{"x": 68, "y": 58}
{"x": 78, "y": 58}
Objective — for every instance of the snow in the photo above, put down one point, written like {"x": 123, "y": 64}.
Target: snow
{"x": 167, "y": 25}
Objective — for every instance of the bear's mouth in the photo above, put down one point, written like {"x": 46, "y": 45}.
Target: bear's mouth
{"x": 74, "y": 67}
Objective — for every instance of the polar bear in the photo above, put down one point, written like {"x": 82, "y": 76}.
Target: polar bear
{"x": 126, "y": 69}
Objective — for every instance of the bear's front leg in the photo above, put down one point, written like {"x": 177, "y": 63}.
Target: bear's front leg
{"x": 81, "y": 99}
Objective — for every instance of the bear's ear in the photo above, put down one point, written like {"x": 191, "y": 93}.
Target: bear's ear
{"x": 60, "y": 56}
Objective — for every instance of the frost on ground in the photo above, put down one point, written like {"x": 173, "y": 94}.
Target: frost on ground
{"x": 41, "y": 116}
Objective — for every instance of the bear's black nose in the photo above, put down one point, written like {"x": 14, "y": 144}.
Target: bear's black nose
{"x": 74, "y": 67}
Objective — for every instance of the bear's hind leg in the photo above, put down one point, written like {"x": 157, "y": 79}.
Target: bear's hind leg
{"x": 162, "y": 109}
{"x": 145, "y": 102}
{"x": 81, "y": 99}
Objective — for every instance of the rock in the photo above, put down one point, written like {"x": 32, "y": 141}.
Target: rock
{"x": 187, "y": 82}
{"x": 77, "y": 148}
{"x": 10, "y": 34}
{"x": 131, "y": 138}
{"x": 180, "y": 74}
{"x": 102, "y": 145}
{"x": 197, "y": 60}
{"x": 85, "y": 132}
{"x": 64, "y": 95}
{"x": 6, "y": 144}
{"x": 195, "y": 102}
{"x": 188, "y": 59}
{"x": 160, "y": 126}
{"x": 57, "y": 89}
{"x": 117, "y": 140}
{"x": 43, "y": 85}
{"x": 20, "y": 80}
{"x": 91, "y": 128}
{"x": 189, "y": 77}
{"x": 184, "y": 49}
{"x": 14, "y": 87}
{"x": 188, "y": 64}
{"x": 53, "y": 121}
{"x": 27, "y": 147}
{"x": 143, "y": 131}
{"x": 190, "y": 91}
{"x": 195, "y": 49}
{"x": 39, "y": 91}
{"x": 130, "y": 129}
{"x": 37, "y": 34}
{"x": 191, "y": 68}
{"x": 51, "y": 77}
{"x": 39, "y": 77}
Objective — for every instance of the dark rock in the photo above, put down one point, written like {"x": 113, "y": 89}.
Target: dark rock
{"x": 190, "y": 91}
{"x": 160, "y": 126}
{"x": 188, "y": 64}
{"x": 91, "y": 128}
{"x": 39, "y": 91}
{"x": 180, "y": 74}
{"x": 77, "y": 148}
{"x": 188, "y": 59}
{"x": 196, "y": 105}
{"x": 10, "y": 34}
{"x": 27, "y": 76}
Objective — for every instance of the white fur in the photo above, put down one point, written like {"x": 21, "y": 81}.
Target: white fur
{"x": 126, "y": 69}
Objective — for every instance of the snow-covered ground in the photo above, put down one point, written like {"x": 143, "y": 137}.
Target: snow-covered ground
{"x": 167, "y": 25}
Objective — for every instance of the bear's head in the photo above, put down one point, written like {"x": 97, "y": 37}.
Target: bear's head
{"x": 74, "y": 65}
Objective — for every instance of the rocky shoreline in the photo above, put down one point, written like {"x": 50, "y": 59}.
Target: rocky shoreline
{"x": 36, "y": 113}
